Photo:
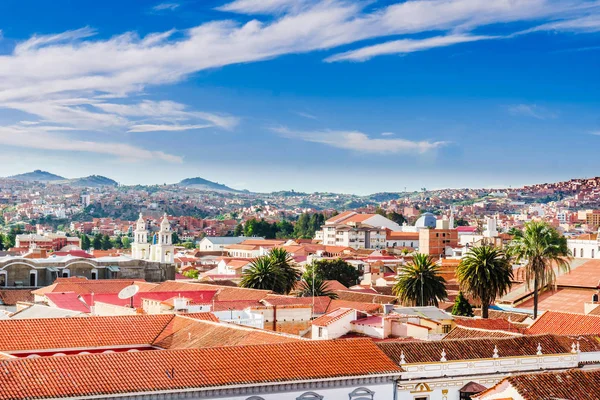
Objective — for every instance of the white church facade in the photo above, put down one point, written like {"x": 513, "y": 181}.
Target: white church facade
{"x": 160, "y": 249}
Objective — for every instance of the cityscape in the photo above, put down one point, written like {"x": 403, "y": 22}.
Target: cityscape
{"x": 300, "y": 200}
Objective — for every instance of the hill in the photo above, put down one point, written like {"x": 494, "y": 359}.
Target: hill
{"x": 204, "y": 184}
{"x": 37, "y": 175}
{"x": 92, "y": 181}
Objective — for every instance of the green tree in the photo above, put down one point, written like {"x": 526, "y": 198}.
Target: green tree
{"x": 396, "y": 217}
{"x": 301, "y": 227}
{"x": 380, "y": 211}
{"x": 175, "y": 238}
{"x": 262, "y": 274}
{"x": 239, "y": 230}
{"x": 419, "y": 282}
{"x": 315, "y": 287}
{"x": 335, "y": 270}
{"x": 485, "y": 273}
{"x": 97, "y": 242}
{"x": 2, "y": 241}
{"x": 105, "y": 243}
{"x": 543, "y": 248}
{"x": 290, "y": 275}
{"x": 11, "y": 238}
{"x": 192, "y": 274}
{"x": 126, "y": 242}
{"x": 462, "y": 307}
{"x": 85, "y": 242}
{"x": 116, "y": 243}
{"x": 189, "y": 245}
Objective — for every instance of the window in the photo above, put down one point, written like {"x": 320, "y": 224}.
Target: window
{"x": 66, "y": 273}
{"x": 581, "y": 253}
{"x": 94, "y": 274}
{"x": 310, "y": 396}
{"x": 592, "y": 253}
{"x": 255, "y": 398}
{"x": 361, "y": 394}
{"x": 446, "y": 328}
{"x": 320, "y": 332}
{"x": 3, "y": 279}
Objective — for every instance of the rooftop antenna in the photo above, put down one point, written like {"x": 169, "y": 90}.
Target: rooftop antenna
{"x": 128, "y": 292}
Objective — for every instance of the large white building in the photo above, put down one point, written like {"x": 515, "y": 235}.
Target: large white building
{"x": 161, "y": 249}
{"x": 350, "y": 229}
{"x": 585, "y": 246}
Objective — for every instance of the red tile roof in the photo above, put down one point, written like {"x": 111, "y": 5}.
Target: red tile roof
{"x": 332, "y": 316}
{"x": 68, "y": 301}
{"x": 225, "y": 293}
{"x": 468, "y": 333}
{"x": 572, "y": 384}
{"x": 153, "y": 371}
{"x": 561, "y": 323}
{"x": 186, "y": 333}
{"x": 493, "y": 324}
{"x": 321, "y": 302}
{"x": 351, "y": 295}
{"x": 81, "y": 286}
{"x": 83, "y": 332}
{"x": 469, "y": 349}
{"x": 369, "y": 308}
{"x": 12, "y": 296}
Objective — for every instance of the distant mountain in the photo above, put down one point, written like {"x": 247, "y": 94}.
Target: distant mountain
{"x": 37, "y": 175}
{"x": 204, "y": 184}
{"x": 92, "y": 181}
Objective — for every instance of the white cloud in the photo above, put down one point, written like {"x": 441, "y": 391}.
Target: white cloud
{"x": 531, "y": 110}
{"x": 587, "y": 24}
{"x": 166, "y": 6}
{"x": 165, "y": 128}
{"x": 387, "y": 134}
{"x": 305, "y": 115}
{"x": 403, "y": 46}
{"x": 38, "y": 138}
{"x": 77, "y": 80}
{"x": 358, "y": 141}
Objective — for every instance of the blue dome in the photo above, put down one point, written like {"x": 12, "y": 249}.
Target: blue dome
{"x": 427, "y": 220}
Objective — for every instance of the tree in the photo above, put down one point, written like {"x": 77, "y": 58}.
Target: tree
{"x": 485, "y": 273}
{"x": 419, "y": 282}
{"x": 289, "y": 275}
{"x": 2, "y": 241}
{"x": 315, "y": 287}
{"x": 85, "y": 242}
{"x": 301, "y": 227}
{"x": 189, "y": 245}
{"x": 335, "y": 270}
{"x": 105, "y": 243}
{"x": 239, "y": 230}
{"x": 116, "y": 243}
{"x": 97, "y": 242}
{"x": 126, "y": 242}
{"x": 192, "y": 274}
{"x": 461, "y": 306}
{"x": 396, "y": 217}
{"x": 544, "y": 249}
{"x": 11, "y": 238}
{"x": 262, "y": 274}
{"x": 175, "y": 238}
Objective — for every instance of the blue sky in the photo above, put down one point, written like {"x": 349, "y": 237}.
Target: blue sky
{"x": 334, "y": 95}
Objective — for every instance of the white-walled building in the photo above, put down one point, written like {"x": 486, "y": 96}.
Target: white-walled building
{"x": 161, "y": 249}
{"x": 354, "y": 230}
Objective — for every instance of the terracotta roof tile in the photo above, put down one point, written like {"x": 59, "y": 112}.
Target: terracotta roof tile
{"x": 369, "y": 308}
{"x": 154, "y": 371}
{"x": 468, "y": 333}
{"x": 225, "y": 293}
{"x": 561, "y": 323}
{"x": 572, "y": 384}
{"x": 350, "y": 295}
{"x": 469, "y": 349}
{"x": 321, "y": 302}
{"x": 11, "y": 297}
{"x": 511, "y": 316}
{"x": 80, "y": 332}
{"x": 332, "y": 316}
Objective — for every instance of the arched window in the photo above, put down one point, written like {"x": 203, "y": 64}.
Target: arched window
{"x": 3, "y": 279}
{"x": 255, "y": 398}
{"x": 66, "y": 273}
{"x": 33, "y": 278}
{"x": 310, "y": 396}
{"x": 581, "y": 253}
{"x": 361, "y": 394}
{"x": 94, "y": 274}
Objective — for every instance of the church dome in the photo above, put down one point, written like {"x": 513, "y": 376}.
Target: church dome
{"x": 427, "y": 220}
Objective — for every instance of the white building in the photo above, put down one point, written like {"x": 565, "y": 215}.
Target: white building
{"x": 161, "y": 249}
{"x": 218, "y": 243}
{"x": 350, "y": 229}
{"x": 585, "y": 246}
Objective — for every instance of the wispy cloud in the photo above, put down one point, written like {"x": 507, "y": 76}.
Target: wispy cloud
{"x": 166, "y": 6}
{"x": 361, "y": 142}
{"x": 531, "y": 110}
{"x": 387, "y": 134}
{"x": 33, "y": 137}
{"x": 165, "y": 128}
{"x": 81, "y": 81}
{"x": 305, "y": 115}
{"x": 404, "y": 46}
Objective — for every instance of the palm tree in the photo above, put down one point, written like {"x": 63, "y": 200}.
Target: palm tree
{"x": 543, "y": 248}
{"x": 485, "y": 273}
{"x": 319, "y": 285}
{"x": 283, "y": 260}
{"x": 419, "y": 282}
{"x": 262, "y": 274}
